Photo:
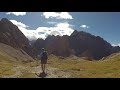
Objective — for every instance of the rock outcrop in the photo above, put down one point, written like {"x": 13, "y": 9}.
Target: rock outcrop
{"x": 11, "y": 35}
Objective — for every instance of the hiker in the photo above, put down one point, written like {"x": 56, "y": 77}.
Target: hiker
{"x": 44, "y": 58}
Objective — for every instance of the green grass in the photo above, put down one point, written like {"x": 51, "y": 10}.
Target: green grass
{"x": 109, "y": 68}
{"x": 77, "y": 68}
{"x": 15, "y": 69}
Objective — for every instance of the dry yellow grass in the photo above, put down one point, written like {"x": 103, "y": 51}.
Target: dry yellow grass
{"x": 62, "y": 67}
{"x": 79, "y": 68}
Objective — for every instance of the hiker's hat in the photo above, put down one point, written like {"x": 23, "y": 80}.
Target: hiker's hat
{"x": 43, "y": 49}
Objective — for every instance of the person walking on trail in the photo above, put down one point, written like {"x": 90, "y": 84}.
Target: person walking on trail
{"x": 44, "y": 58}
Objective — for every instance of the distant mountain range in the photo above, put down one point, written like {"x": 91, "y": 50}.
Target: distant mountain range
{"x": 80, "y": 43}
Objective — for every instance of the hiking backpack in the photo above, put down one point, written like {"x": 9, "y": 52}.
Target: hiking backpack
{"x": 44, "y": 55}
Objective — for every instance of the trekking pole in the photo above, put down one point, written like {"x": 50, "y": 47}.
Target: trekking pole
{"x": 46, "y": 68}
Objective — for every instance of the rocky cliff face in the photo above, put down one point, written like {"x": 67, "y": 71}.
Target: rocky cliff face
{"x": 89, "y": 45}
{"x": 56, "y": 45}
{"x": 11, "y": 35}
{"x": 81, "y": 44}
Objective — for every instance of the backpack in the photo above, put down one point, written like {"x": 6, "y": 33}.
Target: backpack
{"x": 44, "y": 55}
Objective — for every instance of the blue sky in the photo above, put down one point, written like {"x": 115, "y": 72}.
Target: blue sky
{"x": 39, "y": 24}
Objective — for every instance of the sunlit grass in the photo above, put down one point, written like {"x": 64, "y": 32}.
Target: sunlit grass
{"x": 89, "y": 69}
{"x": 77, "y": 68}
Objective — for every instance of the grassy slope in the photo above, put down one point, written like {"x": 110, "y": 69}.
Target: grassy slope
{"x": 16, "y": 69}
{"x": 13, "y": 61}
{"x": 109, "y": 68}
{"x": 77, "y": 68}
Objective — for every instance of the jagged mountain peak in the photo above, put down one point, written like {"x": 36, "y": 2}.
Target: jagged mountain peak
{"x": 80, "y": 43}
{"x": 4, "y": 19}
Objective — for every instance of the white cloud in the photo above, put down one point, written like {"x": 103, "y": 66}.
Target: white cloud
{"x": 17, "y": 13}
{"x": 62, "y": 15}
{"x": 51, "y": 22}
{"x": 30, "y": 34}
{"x": 116, "y": 44}
{"x": 84, "y": 26}
{"x": 63, "y": 25}
{"x": 41, "y": 32}
{"x": 65, "y": 15}
{"x": 60, "y": 29}
{"x": 50, "y": 14}
{"x": 19, "y": 24}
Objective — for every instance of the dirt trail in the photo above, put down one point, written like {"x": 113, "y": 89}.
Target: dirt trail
{"x": 52, "y": 72}
{"x": 29, "y": 72}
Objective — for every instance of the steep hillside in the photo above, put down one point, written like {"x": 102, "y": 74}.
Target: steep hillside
{"x": 12, "y": 61}
{"x": 12, "y": 54}
{"x": 89, "y": 45}
{"x": 11, "y": 35}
